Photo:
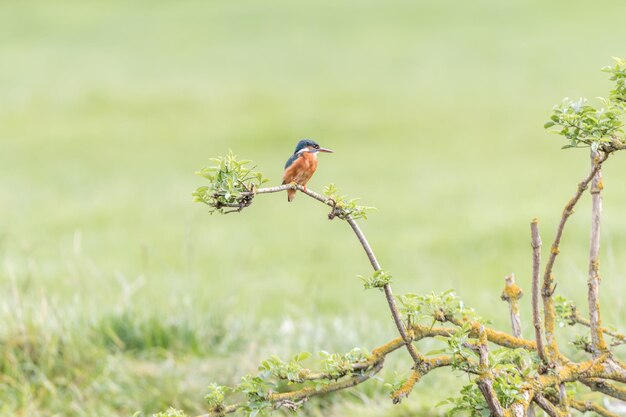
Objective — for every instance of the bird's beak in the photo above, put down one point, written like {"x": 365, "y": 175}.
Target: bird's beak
{"x": 325, "y": 150}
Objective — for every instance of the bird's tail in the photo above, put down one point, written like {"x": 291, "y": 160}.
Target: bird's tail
{"x": 291, "y": 194}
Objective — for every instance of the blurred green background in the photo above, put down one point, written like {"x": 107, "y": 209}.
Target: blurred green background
{"x": 121, "y": 295}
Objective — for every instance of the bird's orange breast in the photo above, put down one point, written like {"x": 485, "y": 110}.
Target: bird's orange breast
{"x": 301, "y": 170}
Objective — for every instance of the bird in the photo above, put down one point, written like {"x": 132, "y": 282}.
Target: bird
{"x": 301, "y": 166}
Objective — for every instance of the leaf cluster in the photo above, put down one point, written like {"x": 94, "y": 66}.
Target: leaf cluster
{"x": 618, "y": 75}
{"x": 291, "y": 371}
{"x": 439, "y": 307}
{"x": 398, "y": 381}
{"x": 461, "y": 349}
{"x": 345, "y": 207}
{"x": 337, "y": 365}
{"x": 378, "y": 280}
{"x": 585, "y": 125}
{"x": 509, "y": 368}
{"x": 171, "y": 412}
{"x": 229, "y": 183}
{"x": 273, "y": 372}
{"x": 565, "y": 310}
{"x": 257, "y": 390}
{"x": 215, "y": 396}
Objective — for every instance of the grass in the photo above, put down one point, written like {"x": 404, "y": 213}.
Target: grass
{"x": 125, "y": 296}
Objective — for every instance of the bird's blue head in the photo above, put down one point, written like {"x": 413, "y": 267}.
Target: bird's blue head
{"x": 309, "y": 145}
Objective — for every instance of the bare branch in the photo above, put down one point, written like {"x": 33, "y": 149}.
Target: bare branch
{"x": 593, "y": 293}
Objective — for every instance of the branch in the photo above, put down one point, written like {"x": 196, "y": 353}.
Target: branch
{"x": 569, "y": 210}
{"x": 332, "y": 387}
{"x": 536, "y": 245}
{"x": 584, "y": 406}
{"x": 422, "y": 369}
{"x": 593, "y": 293}
{"x": 548, "y": 277}
{"x": 365, "y": 371}
{"x": 485, "y": 385}
{"x": 494, "y": 336}
{"x": 485, "y": 380}
{"x": 417, "y": 357}
{"x": 577, "y": 318}
{"x": 606, "y": 388}
{"x": 547, "y": 406}
{"x": 295, "y": 398}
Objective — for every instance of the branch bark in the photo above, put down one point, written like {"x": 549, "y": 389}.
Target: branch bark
{"x": 593, "y": 293}
{"x": 536, "y": 245}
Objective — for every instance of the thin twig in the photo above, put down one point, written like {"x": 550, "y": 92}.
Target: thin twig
{"x": 577, "y": 318}
{"x": 593, "y": 293}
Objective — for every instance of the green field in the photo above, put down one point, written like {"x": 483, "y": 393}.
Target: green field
{"x": 121, "y": 295}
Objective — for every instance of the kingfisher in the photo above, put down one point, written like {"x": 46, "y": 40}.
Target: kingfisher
{"x": 301, "y": 166}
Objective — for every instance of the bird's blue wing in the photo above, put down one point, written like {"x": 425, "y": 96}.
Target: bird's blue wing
{"x": 291, "y": 160}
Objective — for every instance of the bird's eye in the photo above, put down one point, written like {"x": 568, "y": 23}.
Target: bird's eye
{"x": 316, "y": 146}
